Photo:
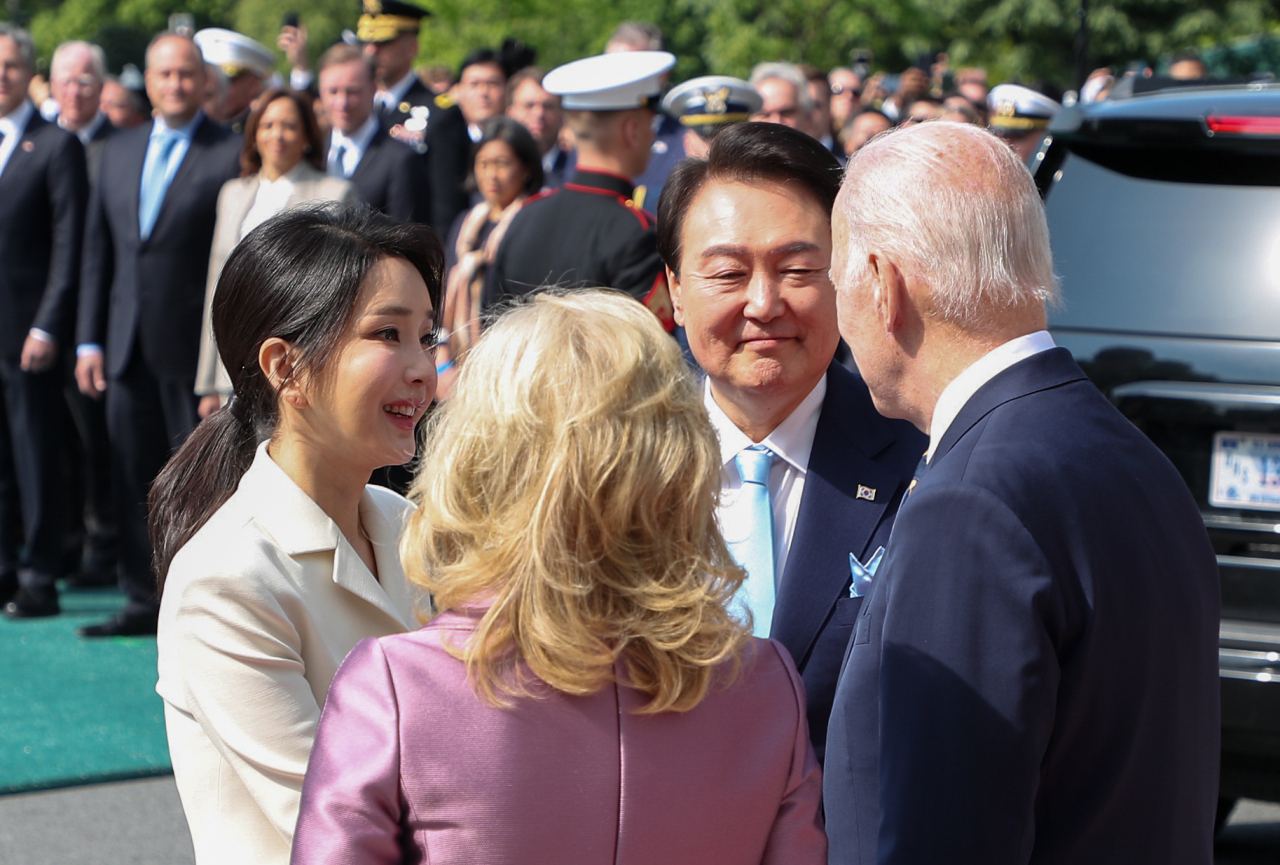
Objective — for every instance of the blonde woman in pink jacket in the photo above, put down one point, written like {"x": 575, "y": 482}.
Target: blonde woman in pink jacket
{"x": 585, "y": 695}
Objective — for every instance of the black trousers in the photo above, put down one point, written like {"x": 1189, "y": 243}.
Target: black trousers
{"x": 31, "y": 492}
{"x": 91, "y": 518}
{"x": 149, "y": 415}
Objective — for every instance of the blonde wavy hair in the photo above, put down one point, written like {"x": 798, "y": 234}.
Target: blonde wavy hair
{"x": 569, "y": 484}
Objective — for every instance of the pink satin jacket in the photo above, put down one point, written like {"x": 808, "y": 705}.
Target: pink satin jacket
{"x": 410, "y": 766}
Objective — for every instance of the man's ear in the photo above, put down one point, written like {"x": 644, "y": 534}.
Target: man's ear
{"x": 890, "y": 286}
{"x": 677, "y": 296}
{"x": 275, "y": 358}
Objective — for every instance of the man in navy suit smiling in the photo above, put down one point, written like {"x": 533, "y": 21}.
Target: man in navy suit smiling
{"x": 1034, "y": 675}
{"x": 811, "y": 474}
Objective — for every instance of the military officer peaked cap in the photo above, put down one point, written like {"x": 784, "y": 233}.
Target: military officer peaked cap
{"x": 610, "y": 82}
{"x": 384, "y": 20}
{"x": 234, "y": 53}
{"x": 712, "y": 101}
{"x": 1016, "y": 109}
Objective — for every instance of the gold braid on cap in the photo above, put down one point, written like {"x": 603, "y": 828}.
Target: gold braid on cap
{"x": 381, "y": 28}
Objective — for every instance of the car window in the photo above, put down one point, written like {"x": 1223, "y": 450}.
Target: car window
{"x": 1164, "y": 257}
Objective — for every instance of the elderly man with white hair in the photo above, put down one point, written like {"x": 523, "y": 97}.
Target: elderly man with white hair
{"x": 1033, "y": 676}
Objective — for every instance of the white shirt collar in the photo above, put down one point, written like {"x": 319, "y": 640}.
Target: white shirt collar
{"x": 359, "y": 140}
{"x": 186, "y": 131}
{"x": 792, "y": 440}
{"x": 15, "y": 122}
{"x": 397, "y": 93}
{"x": 967, "y": 383}
{"x": 85, "y": 133}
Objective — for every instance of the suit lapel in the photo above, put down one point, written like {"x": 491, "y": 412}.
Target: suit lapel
{"x": 132, "y": 159}
{"x": 199, "y": 141}
{"x": 368, "y": 159}
{"x": 833, "y": 520}
{"x": 1047, "y": 369}
{"x": 350, "y": 572}
{"x": 24, "y": 152}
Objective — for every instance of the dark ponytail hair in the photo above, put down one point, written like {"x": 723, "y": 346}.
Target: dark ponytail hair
{"x": 297, "y": 277}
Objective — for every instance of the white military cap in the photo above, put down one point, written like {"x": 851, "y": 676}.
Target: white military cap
{"x": 610, "y": 82}
{"x": 711, "y": 101}
{"x": 234, "y": 53}
{"x": 1016, "y": 109}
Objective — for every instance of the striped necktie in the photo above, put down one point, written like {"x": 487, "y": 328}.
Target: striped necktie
{"x": 755, "y": 552}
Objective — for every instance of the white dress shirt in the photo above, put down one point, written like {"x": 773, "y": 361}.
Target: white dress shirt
{"x": 12, "y": 126}
{"x": 978, "y": 373}
{"x": 271, "y": 198}
{"x": 791, "y": 443}
{"x": 355, "y": 145}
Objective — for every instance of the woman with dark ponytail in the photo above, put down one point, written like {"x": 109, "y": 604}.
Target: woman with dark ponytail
{"x": 273, "y": 555}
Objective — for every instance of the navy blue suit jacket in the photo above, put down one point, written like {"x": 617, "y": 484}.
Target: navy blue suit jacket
{"x": 42, "y": 198}
{"x": 392, "y": 177}
{"x": 149, "y": 294}
{"x": 1033, "y": 677}
{"x": 853, "y": 446}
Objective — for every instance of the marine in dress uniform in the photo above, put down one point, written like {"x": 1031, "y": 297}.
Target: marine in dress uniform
{"x": 247, "y": 64}
{"x": 590, "y": 232}
{"x": 430, "y": 124}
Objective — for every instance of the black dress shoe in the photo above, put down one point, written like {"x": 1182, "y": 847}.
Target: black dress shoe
{"x": 30, "y": 604}
{"x": 122, "y": 625}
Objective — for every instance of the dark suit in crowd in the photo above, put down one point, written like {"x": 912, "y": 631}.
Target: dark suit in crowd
{"x": 1033, "y": 677}
{"x": 93, "y": 148}
{"x": 445, "y": 146}
{"x": 93, "y": 521}
{"x": 391, "y": 177}
{"x": 142, "y": 300}
{"x": 43, "y": 190}
{"x": 854, "y": 448}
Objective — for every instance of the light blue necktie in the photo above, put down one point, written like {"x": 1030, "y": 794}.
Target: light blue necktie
{"x": 155, "y": 180}
{"x": 338, "y": 165}
{"x": 755, "y": 552}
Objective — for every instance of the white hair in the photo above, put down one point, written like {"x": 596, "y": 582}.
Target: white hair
{"x": 956, "y": 206}
{"x": 97, "y": 58}
{"x": 788, "y": 72}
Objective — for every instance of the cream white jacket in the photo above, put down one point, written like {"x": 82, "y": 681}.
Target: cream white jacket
{"x": 259, "y": 609}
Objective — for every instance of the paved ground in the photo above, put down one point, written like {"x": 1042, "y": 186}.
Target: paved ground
{"x": 141, "y": 823}
{"x": 129, "y": 823}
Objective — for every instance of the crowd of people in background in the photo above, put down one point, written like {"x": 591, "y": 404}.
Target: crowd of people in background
{"x": 228, "y": 299}
{"x": 455, "y": 150}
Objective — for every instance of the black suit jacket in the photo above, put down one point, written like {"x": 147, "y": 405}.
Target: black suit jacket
{"x": 445, "y": 145}
{"x": 93, "y": 150}
{"x": 392, "y": 178}
{"x": 1034, "y": 675}
{"x": 853, "y": 447}
{"x": 148, "y": 294}
{"x": 43, "y": 191}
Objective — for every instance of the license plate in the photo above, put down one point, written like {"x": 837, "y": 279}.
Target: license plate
{"x": 1246, "y": 471}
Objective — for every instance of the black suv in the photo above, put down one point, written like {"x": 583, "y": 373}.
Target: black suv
{"x": 1164, "y": 212}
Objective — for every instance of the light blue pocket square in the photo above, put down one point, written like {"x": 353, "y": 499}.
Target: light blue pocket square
{"x": 862, "y": 574}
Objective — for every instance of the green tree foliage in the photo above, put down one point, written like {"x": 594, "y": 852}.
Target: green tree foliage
{"x": 1023, "y": 39}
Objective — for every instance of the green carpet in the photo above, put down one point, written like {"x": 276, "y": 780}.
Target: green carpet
{"x": 77, "y": 711}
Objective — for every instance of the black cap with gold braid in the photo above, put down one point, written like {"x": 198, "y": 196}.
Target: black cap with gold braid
{"x": 384, "y": 20}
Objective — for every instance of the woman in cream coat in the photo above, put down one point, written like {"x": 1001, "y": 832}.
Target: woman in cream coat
{"x": 274, "y": 557}
{"x": 282, "y": 165}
